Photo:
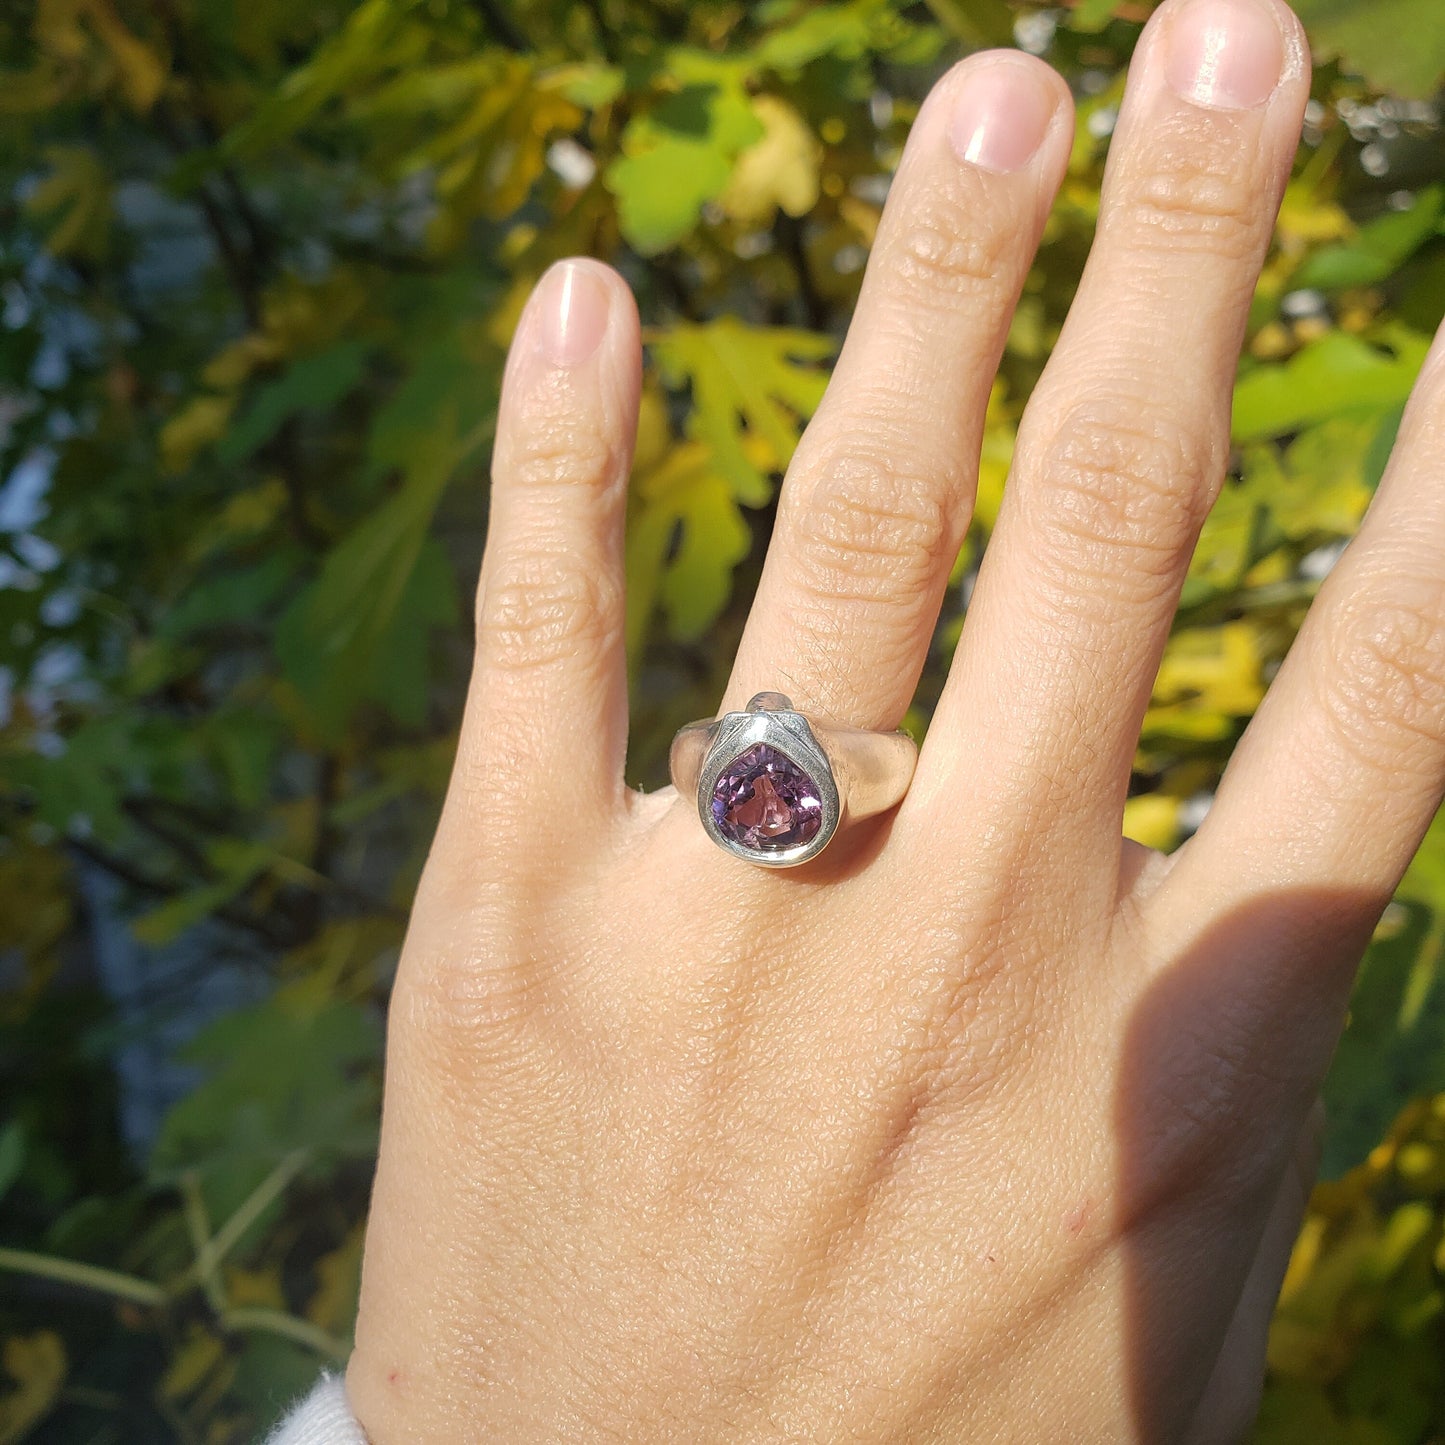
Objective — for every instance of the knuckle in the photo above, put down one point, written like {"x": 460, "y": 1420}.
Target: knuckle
{"x": 1194, "y": 195}
{"x": 1384, "y": 675}
{"x": 458, "y": 997}
{"x": 539, "y": 610}
{"x": 943, "y": 246}
{"x": 869, "y": 531}
{"x": 456, "y": 1000}
{"x": 556, "y": 446}
{"x": 1111, "y": 483}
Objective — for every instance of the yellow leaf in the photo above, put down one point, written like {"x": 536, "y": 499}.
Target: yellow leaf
{"x": 142, "y": 72}
{"x": 780, "y": 171}
{"x": 29, "y": 92}
{"x": 244, "y": 514}
{"x": 37, "y": 1364}
{"x": 233, "y": 364}
{"x": 1153, "y": 820}
{"x": 862, "y": 217}
{"x": 684, "y": 538}
{"x": 200, "y": 1353}
{"x": 1209, "y": 677}
{"x": 298, "y": 316}
{"x": 1406, "y": 1228}
{"x": 1421, "y": 1167}
{"x": 61, "y": 31}
{"x": 77, "y": 192}
{"x": 487, "y": 162}
{"x": 333, "y": 1306}
{"x": 255, "y": 1286}
{"x": 997, "y": 458}
{"x": 748, "y": 386}
{"x": 58, "y": 30}
{"x": 1304, "y": 219}
{"x": 502, "y": 322}
{"x": 654, "y": 436}
{"x": 35, "y": 901}
{"x": 196, "y": 426}
{"x": 1322, "y": 486}
{"x": 1304, "y": 1256}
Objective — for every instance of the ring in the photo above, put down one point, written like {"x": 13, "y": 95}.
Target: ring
{"x": 773, "y": 784}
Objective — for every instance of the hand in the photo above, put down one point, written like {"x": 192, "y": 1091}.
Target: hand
{"x": 986, "y": 1126}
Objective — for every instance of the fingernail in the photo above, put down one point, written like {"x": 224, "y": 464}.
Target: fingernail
{"x": 1227, "y": 54}
{"x": 572, "y": 304}
{"x": 1001, "y": 116}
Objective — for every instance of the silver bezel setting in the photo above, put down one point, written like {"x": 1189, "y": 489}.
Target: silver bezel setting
{"x": 788, "y": 733}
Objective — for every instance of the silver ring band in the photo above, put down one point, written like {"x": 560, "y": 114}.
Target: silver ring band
{"x": 773, "y": 785}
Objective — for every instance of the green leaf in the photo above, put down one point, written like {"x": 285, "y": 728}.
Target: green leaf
{"x": 292, "y": 1073}
{"x": 269, "y": 1372}
{"x": 451, "y": 375}
{"x": 1382, "y": 446}
{"x": 243, "y": 595}
{"x": 752, "y": 387}
{"x": 848, "y": 32}
{"x": 243, "y": 741}
{"x": 12, "y": 1154}
{"x": 314, "y": 384}
{"x": 1397, "y": 45}
{"x": 239, "y": 865}
{"x": 1379, "y": 250}
{"x": 166, "y": 922}
{"x": 977, "y": 23}
{"x": 589, "y": 85}
{"x": 1091, "y": 16}
{"x": 80, "y": 789}
{"x": 398, "y": 675}
{"x": 749, "y": 394}
{"x": 330, "y": 638}
{"x": 1336, "y": 375}
{"x": 677, "y": 157}
{"x": 1393, "y": 1048}
{"x": 377, "y": 36}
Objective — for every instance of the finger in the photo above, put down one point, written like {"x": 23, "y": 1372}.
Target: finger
{"x": 880, "y": 492}
{"x": 545, "y": 730}
{"x": 1125, "y": 442}
{"x": 1339, "y": 774}
{"x": 1231, "y": 1399}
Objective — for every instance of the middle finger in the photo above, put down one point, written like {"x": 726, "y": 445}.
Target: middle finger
{"x": 879, "y": 494}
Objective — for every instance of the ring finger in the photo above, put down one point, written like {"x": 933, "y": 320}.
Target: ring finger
{"x": 1125, "y": 441}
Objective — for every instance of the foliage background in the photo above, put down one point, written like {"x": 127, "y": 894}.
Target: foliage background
{"x": 258, "y": 266}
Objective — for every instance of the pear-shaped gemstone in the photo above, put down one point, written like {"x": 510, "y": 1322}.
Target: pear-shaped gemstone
{"x": 766, "y": 802}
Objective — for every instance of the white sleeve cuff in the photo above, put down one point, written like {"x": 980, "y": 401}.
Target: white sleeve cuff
{"x": 322, "y": 1418}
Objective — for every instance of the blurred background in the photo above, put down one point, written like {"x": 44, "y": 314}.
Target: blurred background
{"x": 258, "y": 266}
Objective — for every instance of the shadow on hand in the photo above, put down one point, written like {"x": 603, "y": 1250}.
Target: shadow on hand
{"x": 1222, "y": 1059}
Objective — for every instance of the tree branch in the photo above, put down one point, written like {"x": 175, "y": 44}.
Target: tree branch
{"x": 277, "y": 1322}
{"x": 83, "y": 1276}
{"x": 506, "y": 30}
{"x": 790, "y": 232}
{"x": 238, "y": 264}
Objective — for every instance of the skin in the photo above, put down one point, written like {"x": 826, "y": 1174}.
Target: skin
{"x": 987, "y": 1125}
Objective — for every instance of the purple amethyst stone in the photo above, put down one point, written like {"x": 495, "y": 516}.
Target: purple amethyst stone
{"x": 766, "y": 802}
